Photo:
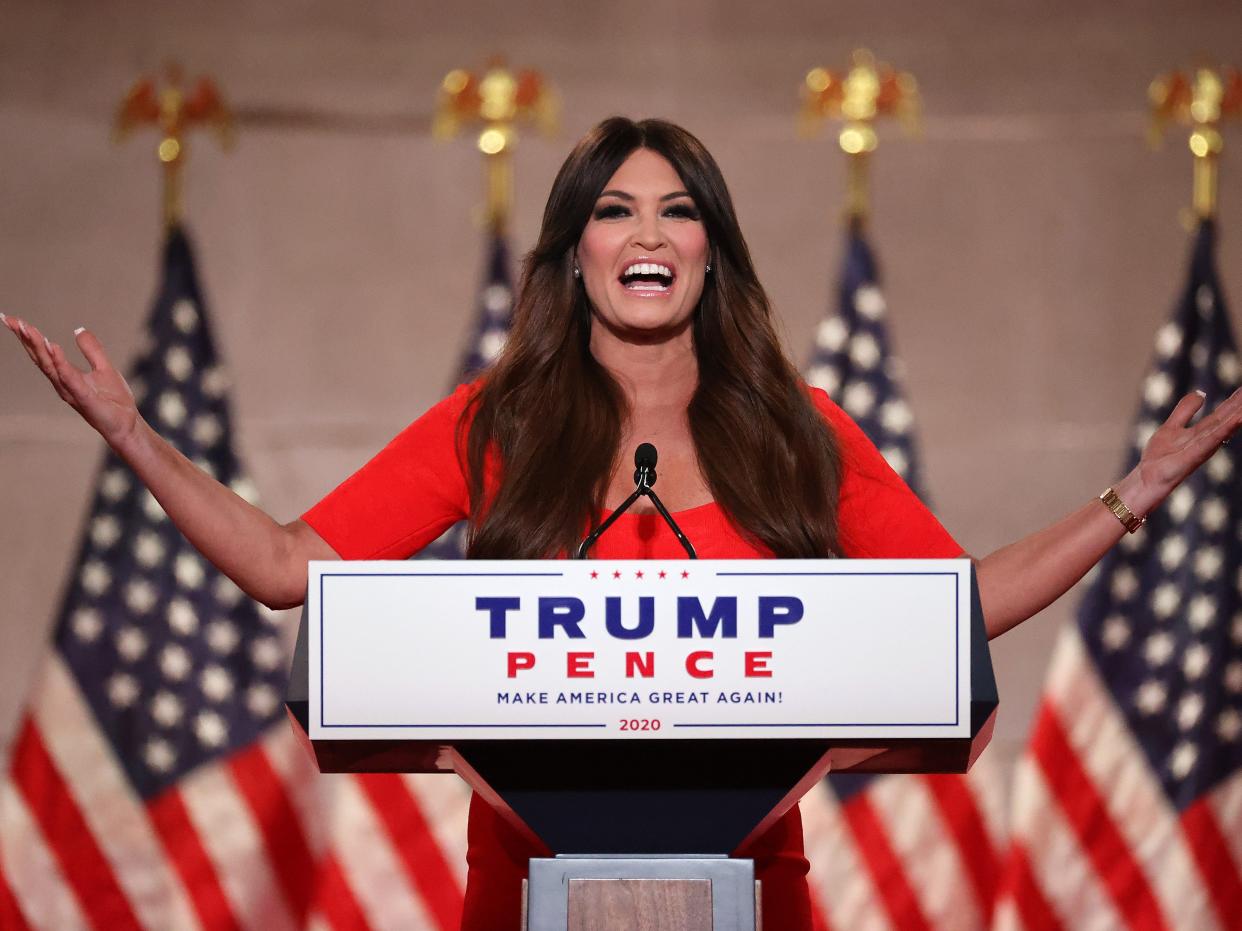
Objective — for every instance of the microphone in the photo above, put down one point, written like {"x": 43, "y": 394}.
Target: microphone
{"x": 644, "y": 477}
{"x": 644, "y": 464}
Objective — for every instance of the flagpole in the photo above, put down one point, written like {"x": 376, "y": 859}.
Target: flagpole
{"x": 174, "y": 110}
{"x": 497, "y": 99}
{"x": 1201, "y": 99}
{"x": 858, "y": 97}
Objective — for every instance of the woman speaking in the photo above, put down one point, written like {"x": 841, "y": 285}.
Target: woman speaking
{"x": 639, "y": 319}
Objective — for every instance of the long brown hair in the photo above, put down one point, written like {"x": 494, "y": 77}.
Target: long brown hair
{"x": 552, "y": 416}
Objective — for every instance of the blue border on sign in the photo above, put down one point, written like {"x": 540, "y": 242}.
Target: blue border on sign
{"x": 375, "y": 575}
{"x": 957, "y": 610}
{"x": 957, "y": 671}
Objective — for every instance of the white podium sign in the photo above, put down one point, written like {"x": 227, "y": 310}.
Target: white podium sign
{"x": 647, "y": 649}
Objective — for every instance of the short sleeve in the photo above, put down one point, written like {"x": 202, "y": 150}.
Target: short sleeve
{"x": 408, "y": 494}
{"x": 879, "y": 516}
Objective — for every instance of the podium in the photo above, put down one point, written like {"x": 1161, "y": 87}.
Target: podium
{"x": 641, "y": 721}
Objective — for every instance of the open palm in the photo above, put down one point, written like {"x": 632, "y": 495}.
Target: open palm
{"x": 1179, "y": 447}
{"x": 100, "y": 394}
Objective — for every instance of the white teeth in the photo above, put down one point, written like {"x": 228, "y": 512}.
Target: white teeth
{"x": 648, "y": 268}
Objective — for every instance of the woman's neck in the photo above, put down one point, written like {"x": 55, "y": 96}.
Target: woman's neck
{"x": 654, "y": 375}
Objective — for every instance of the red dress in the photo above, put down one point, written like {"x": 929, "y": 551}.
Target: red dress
{"x": 414, "y": 489}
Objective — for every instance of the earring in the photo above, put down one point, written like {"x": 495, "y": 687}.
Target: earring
{"x": 577, "y": 272}
{"x": 709, "y": 269}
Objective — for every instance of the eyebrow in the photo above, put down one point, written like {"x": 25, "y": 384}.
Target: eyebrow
{"x": 624, "y": 196}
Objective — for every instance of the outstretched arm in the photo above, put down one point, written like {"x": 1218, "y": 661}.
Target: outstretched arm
{"x": 1021, "y": 579}
{"x": 266, "y": 559}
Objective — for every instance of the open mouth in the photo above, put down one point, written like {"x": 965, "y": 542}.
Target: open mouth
{"x": 647, "y": 277}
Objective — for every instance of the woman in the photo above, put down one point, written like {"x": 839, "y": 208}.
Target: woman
{"x": 639, "y": 319}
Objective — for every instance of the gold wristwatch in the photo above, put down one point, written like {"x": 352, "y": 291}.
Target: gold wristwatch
{"x": 1128, "y": 518}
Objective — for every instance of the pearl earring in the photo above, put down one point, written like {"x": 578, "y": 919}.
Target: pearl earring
{"x": 577, "y": 272}
{"x": 709, "y": 269}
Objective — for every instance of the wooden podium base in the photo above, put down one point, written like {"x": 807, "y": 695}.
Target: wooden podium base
{"x": 640, "y": 894}
{"x": 605, "y": 904}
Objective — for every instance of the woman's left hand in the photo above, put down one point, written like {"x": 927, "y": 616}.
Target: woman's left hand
{"x": 1178, "y": 447}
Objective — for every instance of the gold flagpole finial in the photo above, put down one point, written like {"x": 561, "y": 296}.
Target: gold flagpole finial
{"x": 497, "y": 100}
{"x": 858, "y": 97}
{"x": 174, "y": 111}
{"x": 1201, "y": 99}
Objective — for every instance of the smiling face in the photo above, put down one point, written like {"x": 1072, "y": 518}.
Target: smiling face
{"x": 643, "y": 253}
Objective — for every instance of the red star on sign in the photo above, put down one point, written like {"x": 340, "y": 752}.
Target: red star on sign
{"x": 638, "y": 574}
{"x": 663, "y": 573}
{"x": 617, "y": 574}
{"x": 594, "y": 574}
{"x": 685, "y": 574}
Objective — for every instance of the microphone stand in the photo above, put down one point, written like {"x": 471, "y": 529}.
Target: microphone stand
{"x": 644, "y": 477}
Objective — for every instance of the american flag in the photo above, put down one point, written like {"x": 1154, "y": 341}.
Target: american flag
{"x": 1128, "y": 801}
{"x": 154, "y": 782}
{"x": 892, "y": 851}
{"x": 491, "y": 328}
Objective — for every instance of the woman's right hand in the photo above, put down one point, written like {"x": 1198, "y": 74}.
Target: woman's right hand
{"x": 265, "y": 558}
{"x": 100, "y": 395}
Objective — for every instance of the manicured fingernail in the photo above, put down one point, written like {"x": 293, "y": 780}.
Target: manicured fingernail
{"x": 21, "y": 325}
{"x": 47, "y": 343}
{"x": 1202, "y": 394}
{"x": 80, "y": 330}
{"x": 3, "y": 318}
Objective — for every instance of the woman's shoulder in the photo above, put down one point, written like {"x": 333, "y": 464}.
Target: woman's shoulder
{"x": 461, "y": 396}
{"x": 450, "y": 408}
{"x": 829, "y": 409}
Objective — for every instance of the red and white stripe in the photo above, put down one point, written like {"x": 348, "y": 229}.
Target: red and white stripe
{"x": 230, "y": 846}
{"x": 908, "y": 852}
{"x": 445, "y": 800}
{"x": 1095, "y": 841}
{"x": 370, "y": 864}
{"x": 36, "y": 885}
{"x": 79, "y": 806}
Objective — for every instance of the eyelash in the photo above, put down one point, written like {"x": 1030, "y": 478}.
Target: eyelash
{"x": 616, "y": 210}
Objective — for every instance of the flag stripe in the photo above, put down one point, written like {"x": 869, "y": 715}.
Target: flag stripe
{"x": 185, "y": 850}
{"x": 906, "y": 811}
{"x": 116, "y": 817}
{"x": 424, "y": 862}
{"x": 819, "y": 915}
{"x": 282, "y": 835}
{"x": 1211, "y": 854}
{"x": 846, "y": 893}
{"x": 370, "y": 861}
{"x": 48, "y": 798}
{"x": 444, "y": 800}
{"x": 1087, "y": 815}
{"x": 987, "y": 783}
{"x": 11, "y": 917}
{"x": 229, "y": 832}
{"x": 1226, "y": 802}
{"x": 1058, "y": 864}
{"x": 35, "y": 879}
{"x": 964, "y": 820}
{"x": 1021, "y": 888}
{"x": 1106, "y": 749}
{"x": 334, "y": 900}
{"x": 883, "y": 864}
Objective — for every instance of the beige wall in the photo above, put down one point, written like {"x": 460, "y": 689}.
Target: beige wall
{"x": 1030, "y": 240}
